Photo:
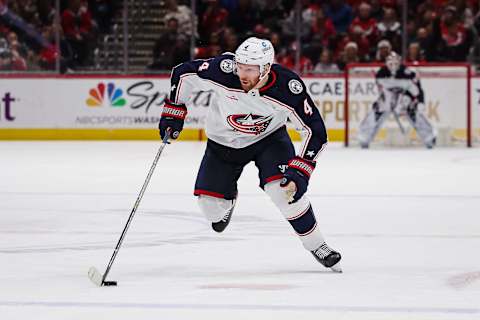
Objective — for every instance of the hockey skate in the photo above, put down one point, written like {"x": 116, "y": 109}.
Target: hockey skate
{"x": 327, "y": 257}
{"x": 222, "y": 224}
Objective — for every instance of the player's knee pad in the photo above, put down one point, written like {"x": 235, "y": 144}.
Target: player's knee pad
{"x": 299, "y": 214}
{"x": 214, "y": 208}
{"x": 278, "y": 196}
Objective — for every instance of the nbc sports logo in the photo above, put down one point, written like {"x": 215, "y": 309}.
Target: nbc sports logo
{"x": 97, "y": 96}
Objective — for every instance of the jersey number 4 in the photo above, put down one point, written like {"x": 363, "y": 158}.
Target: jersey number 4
{"x": 307, "y": 108}
{"x": 204, "y": 66}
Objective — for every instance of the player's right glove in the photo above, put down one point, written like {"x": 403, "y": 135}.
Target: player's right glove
{"x": 173, "y": 116}
{"x": 299, "y": 171}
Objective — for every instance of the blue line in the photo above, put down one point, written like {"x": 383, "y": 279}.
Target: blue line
{"x": 129, "y": 305}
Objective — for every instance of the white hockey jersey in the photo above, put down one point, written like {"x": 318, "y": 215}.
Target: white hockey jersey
{"x": 404, "y": 80}
{"x": 237, "y": 118}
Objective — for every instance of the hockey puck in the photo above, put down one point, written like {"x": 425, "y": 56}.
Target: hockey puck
{"x": 109, "y": 283}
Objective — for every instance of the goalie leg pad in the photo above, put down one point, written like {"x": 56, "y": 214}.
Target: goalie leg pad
{"x": 370, "y": 125}
{"x": 423, "y": 127}
{"x": 214, "y": 208}
{"x": 299, "y": 214}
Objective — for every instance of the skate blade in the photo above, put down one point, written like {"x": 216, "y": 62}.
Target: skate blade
{"x": 337, "y": 268}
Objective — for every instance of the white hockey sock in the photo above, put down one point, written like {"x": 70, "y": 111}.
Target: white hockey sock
{"x": 299, "y": 214}
{"x": 214, "y": 208}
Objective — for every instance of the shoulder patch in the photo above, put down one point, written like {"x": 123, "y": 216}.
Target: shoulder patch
{"x": 295, "y": 86}
{"x": 226, "y": 65}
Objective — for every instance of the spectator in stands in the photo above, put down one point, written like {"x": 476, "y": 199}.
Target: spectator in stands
{"x": 244, "y": 18}
{"x": 214, "y": 19}
{"x": 49, "y": 54}
{"x": 326, "y": 64}
{"x": 390, "y": 28}
{"x": 428, "y": 45}
{"x": 212, "y": 47}
{"x": 27, "y": 10}
{"x": 474, "y": 57}
{"x": 78, "y": 27}
{"x": 15, "y": 45}
{"x": 288, "y": 60}
{"x": 276, "y": 41}
{"x": 415, "y": 54}
{"x": 289, "y": 24}
{"x": 102, "y": 13}
{"x": 273, "y": 12}
{"x": 171, "y": 48}
{"x": 378, "y": 8}
{"x": 349, "y": 55}
{"x": 46, "y": 11}
{"x": 452, "y": 39}
{"x": 10, "y": 60}
{"x": 229, "y": 41}
{"x": 183, "y": 14}
{"x": 340, "y": 13}
{"x": 383, "y": 50}
{"x": 323, "y": 26}
{"x": 363, "y": 30}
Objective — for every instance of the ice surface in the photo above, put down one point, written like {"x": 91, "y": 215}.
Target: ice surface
{"x": 407, "y": 222}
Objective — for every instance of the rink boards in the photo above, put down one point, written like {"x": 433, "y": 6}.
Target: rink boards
{"x": 129, "y": 107}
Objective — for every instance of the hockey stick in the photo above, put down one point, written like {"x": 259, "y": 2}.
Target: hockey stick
{"x": 396, "y": 116}
{"x": 397, "y": 119}
{"x": 93, "y": 273}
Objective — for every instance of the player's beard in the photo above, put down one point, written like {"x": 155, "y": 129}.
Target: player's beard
{"x": 248, "y": 84}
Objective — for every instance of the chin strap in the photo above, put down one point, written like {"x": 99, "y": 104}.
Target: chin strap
{"x": 261, "y": 78}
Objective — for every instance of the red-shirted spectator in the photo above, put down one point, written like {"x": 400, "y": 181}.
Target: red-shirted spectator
{"x": 363, "y": 30}
{"x": 78, "y": 29}
{"x": 324, "y": 27}
{"x": 214, "y": 19}
{"x": 288, "y": 60}
{"x": 450, "y": 36}
{"x": 76, "y": 20}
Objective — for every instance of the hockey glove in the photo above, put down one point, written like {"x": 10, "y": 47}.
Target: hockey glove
{"x": 298, "y": 172}
{"x": 173, "y": 116}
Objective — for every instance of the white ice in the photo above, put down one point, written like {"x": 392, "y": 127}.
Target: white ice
{"x": 407, "y": 222}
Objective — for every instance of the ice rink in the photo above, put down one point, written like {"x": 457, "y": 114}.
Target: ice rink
{"x": 407, "y": 222}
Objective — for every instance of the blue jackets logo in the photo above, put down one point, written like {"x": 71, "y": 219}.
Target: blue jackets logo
{"x": 249, "y": 123}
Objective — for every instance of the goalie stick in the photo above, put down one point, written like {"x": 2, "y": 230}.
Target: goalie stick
{"x": 93, "y": 274}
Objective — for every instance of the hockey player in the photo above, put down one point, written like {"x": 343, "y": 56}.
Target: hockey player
{"x": 400, "y": 91}
{"x": 251, "y": 100}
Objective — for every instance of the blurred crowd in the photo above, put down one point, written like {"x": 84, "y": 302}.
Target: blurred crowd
{"x": 28, "y": 33}
{"x": 332, "y": 32}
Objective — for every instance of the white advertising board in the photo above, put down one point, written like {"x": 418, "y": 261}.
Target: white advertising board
{"x": 136, "y": 102}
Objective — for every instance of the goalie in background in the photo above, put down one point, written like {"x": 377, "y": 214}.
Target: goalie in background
{"x": 400, "y": 93}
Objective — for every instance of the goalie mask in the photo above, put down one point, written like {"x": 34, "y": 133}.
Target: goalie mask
{"x": 393, "y": 62}
{"x": 255, "y": 51}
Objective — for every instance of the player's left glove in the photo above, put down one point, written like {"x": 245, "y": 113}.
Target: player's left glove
{"x": 173, "y": 116}
{"x": 299, "y": 171}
